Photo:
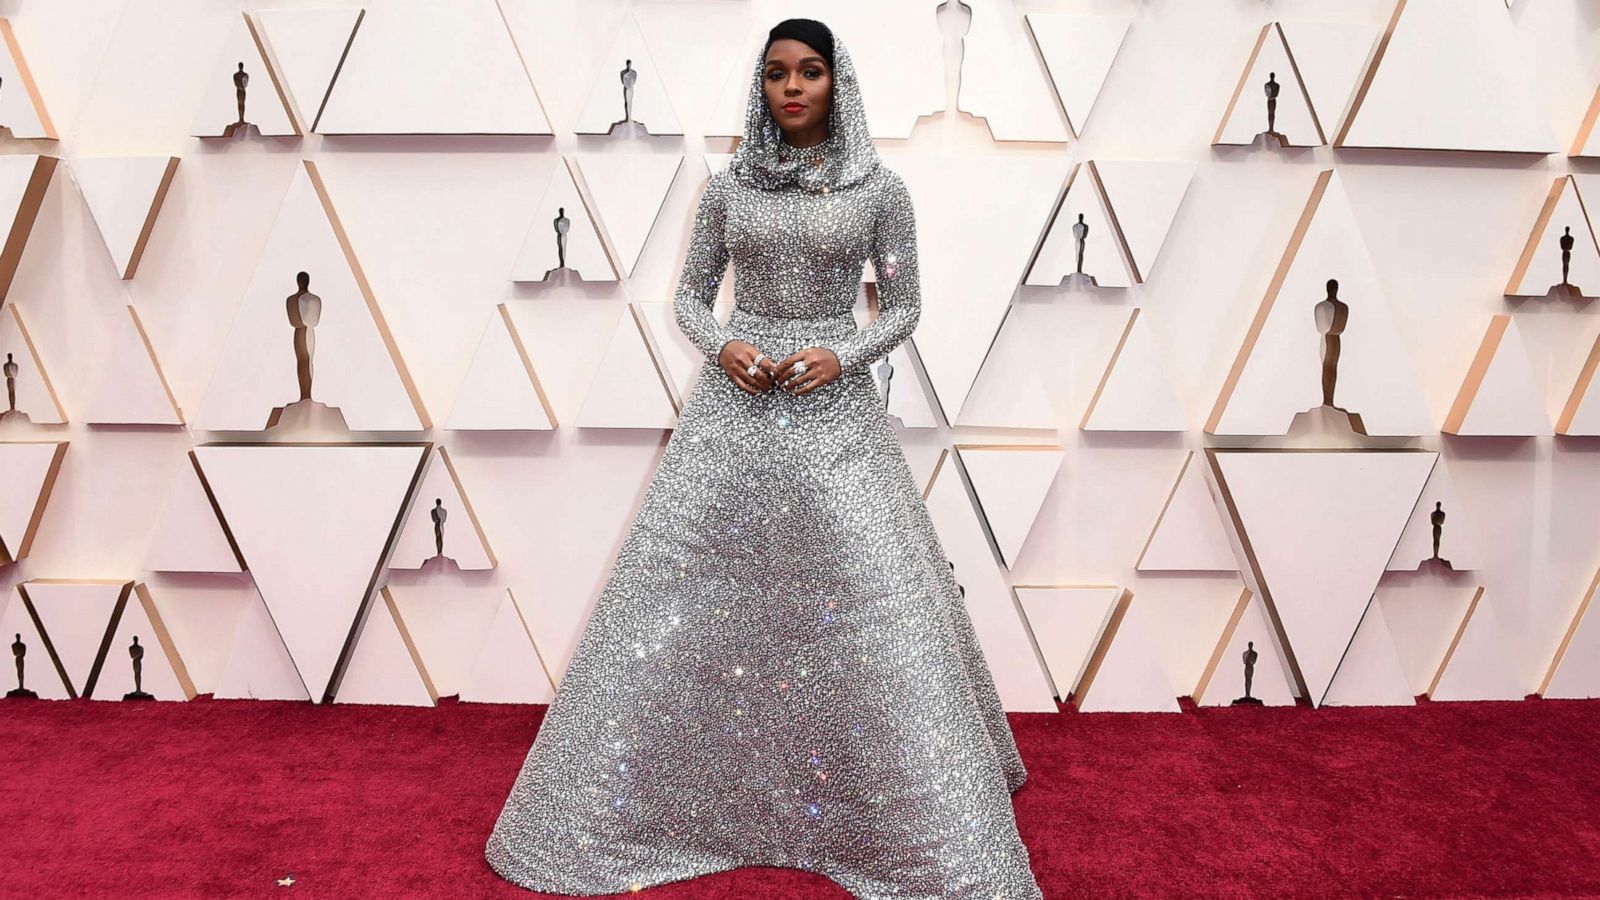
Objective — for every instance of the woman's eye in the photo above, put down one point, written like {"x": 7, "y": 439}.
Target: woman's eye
{"x": 813, "y": 73}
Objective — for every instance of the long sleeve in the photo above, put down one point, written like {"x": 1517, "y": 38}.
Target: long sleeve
{"x": 894, "y": 259}
{"x": 703, "y": 269}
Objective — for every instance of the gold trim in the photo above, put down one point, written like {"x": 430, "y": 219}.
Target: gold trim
{"x": 1566, "y": 639}
{"x": 1475, "y": 373}
{"x": 1105, "y": 377}
{"x": 272, "y": 75}
{"x": 1371, "y": 74}
{"x": 466, "y": 503}
{"x": 26, "y": 74}
{"x": 1285, "y": 263}
{"x": 1455, "y": 641}
{"x": 164, "y": 637}
{"x": 527, "y": 363}
{"x": 1228, "y": 631}
{"x": 155, "y": 363}
{"x": 150, "y": 223}
{"x": 411, "y": 645}
{"x": 367, "y": 294}
{"x": 1102, "y": 647}
{"x": 22, "y": 225}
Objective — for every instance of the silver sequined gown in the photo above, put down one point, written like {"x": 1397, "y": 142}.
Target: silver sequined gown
{"x": 780, "y": 670}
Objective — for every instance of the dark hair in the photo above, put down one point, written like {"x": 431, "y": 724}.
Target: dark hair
{"x": 808, "y": 31}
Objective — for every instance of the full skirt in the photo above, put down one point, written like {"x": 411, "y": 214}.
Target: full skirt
{"x": 779, "y": 671}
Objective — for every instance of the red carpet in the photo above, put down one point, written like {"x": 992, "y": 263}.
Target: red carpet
{"x": 221, "y": 798}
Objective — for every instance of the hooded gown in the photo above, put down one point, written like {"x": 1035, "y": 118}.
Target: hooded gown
{"x": 780, "y": 669}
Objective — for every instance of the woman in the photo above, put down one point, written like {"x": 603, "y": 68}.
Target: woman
{"x": 780, "y": 670}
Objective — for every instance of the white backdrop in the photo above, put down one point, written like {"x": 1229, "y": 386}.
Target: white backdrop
{"x": 437, "y": 222}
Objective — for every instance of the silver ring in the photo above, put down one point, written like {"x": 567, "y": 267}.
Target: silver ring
{"x": 800, "y": 367}
{"x": 759, "y": 358}
{"x": 752, "y": 371}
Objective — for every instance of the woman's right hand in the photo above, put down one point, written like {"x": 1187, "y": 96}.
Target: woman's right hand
{"x": 735, "y": 360}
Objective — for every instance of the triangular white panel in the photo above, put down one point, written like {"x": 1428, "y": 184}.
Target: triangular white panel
{"x": 1003, "y": 80}
{"x": 1271, "y": 67}
{"x": 1561, "y": 254}
{"x": 562, "y": 216}
{"x": 1476, "y": 666}
{"x": 1083, "y": 209}
{"x": 628, "y": 190}
{"x": 458, "y": 528}
{"x": 24, "y": 181}
{"x": 76, "y": 614}
{"x": 30, "y": 469}
{"x": 1331, "y": 58}
{"x": 1424, "y": 613}
{"x": 1318, "y": 528}
{"x": 1223, "y": 682}
{"x": 683, "y": 360}
{"x": 1500, "y": 395}
{"x": 1459, "y": 543}
{"x": 23, "y": 371}
{"x": 124, "y": 195}
{"x": 1135, "y": 393}
{"x": 925, "y": 459}
{"x": 424, "y": 67}
{"x": 308, "y": 46}
{"x": 1011, "y": 483}
{"x": 1574, "y": 672}
{"x": 162, "y": 672}
{"x": 1144, "y": 196}
{"x": 1587, "y": 141}
{"x": 39, "y": 672}
{"x": 1067, "y": 621}
{"x": 1278, "y": 372}
{"x": 356, "y": 366}
{"x": 1007, "y": 647}
{"x": 313, "y": 522}
{"x": 1124, "y": 672}
{"x": 385, "y": 666}
{"x": 1009, "y": 391}
{"x": 629, "y": 390}
{"x": 22, "y": 108}
{"x": 189, "y": 537}
{"x": 1581, "y": 414}
{"x": 978, "y": 220}
{"x": 1448, "y": 76}
{"x": 509, "y": 667}
{"x": 502, "y": 392}
{"x": 242, "y": 68}
{"x": 1078, "y": 52}
{"x": 447, "y": 619}
{"x": 1189, "y": 535}
{"x": 1370, "y": 674}
{"x": 133, "y": 390}
{"x": 627, "y": 85}
{"x": 909, "y": 403}
{"x": 258, "y": 666}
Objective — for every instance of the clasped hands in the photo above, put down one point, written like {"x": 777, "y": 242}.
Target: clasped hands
{"x": 737, "y": 356}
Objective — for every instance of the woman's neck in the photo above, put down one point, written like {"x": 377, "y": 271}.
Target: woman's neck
{"x": 803, "y": 140}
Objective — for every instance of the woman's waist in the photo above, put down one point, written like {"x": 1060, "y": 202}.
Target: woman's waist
{"x": 836, "y": 325}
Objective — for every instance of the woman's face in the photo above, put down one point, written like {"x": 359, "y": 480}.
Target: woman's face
{"x": 799, "y": 88}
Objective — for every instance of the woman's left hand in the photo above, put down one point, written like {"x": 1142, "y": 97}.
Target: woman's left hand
{"x": 821, "y": 367}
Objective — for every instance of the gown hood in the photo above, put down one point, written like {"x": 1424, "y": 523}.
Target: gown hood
{"x": 765, "y": 160}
